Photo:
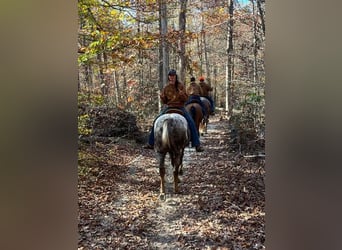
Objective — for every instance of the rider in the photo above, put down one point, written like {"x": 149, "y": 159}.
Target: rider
{"x": 174, "y": 96}
{"x": 194, "y": 91}
{"x": 205, "y": 89}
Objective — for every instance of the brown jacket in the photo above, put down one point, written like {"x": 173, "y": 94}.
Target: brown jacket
{"x": 205, "y": 88}
{"x": 173, "y": 97}
{"x": 193, "y": 89}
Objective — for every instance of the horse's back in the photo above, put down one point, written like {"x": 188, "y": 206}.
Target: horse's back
{"x": 171, "y": 132}
{"x": 206, "y": 103}
{"x": 195, "y": 110}
{"x": 193, "y": 105}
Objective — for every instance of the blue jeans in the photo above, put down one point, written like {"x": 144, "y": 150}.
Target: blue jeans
{"x": 197, "y": 99}
{"x": 211, "y": 103}
{"x": 193, "y": 131}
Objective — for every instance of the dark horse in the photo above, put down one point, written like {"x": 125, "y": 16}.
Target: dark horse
{"x": 196, "y": 113}
{"x": 172, "y": 135}
{"x": 207, "y": 106}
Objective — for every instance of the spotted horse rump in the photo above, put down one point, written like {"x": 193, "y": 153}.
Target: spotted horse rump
{"x": 171, "y": 135}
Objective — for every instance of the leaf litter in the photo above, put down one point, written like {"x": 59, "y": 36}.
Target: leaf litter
{"x": 221, "y": 204}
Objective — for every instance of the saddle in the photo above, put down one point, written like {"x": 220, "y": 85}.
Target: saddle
{"x": 194, "y": 101}
{"x": 174, "y": 110}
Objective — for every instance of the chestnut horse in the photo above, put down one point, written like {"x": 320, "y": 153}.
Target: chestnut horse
{"x": 171, "y": 135}
{"x": 196, "y": 113}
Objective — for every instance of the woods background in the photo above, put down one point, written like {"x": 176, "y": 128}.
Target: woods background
{"x": 126, "y": 48}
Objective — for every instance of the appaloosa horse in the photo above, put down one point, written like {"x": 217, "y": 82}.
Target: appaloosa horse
{"x": 196, "y": 113}
{"x": 171, "y": 135}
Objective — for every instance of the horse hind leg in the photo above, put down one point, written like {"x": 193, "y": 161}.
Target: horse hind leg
{"x": 201, "y": 128}
{"x": 204, "y": 125}
{"x": 176, "y": 180}
{"x": 177, "y": 163}
{"x": 162, "y": 173}
{"x": 180, "y": 172}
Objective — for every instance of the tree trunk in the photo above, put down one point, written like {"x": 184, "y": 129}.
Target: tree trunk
{"x": 117, "y": 88}
{"x": 140, "y": 54}
{"x": 255, "y": 46}
{"x": 262, "y": 14}
{"x": 106, "y": 86}
{"x": 207, "y": 67}
{"x": 201, "y": 40}
{"x": 230, "y": 61}
{"x": 182, "y": 26}
{"x": 163, "y": 49}
{"x": 88, "y": 76}
{"x": 215, "y": 84}
{"x": 124, "y": 86}
{"x": 200, "y": 54}
{"x": 101, "y": 71}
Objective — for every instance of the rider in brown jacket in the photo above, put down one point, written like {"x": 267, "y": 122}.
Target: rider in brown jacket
{"x": 194, "y": 92}
{"x": 205, "y": 89}
{"x": 174, "y": 95}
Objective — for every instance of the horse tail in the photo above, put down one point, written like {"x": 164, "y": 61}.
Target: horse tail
{"x": 166, "y": 133}
{"x": 193, "y": 112}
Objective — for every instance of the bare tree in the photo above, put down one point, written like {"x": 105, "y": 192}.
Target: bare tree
{"x": 261, "y": 3}
{"x": 230, "y": 61}
{"x": 163, "y": 47}
{"x": 207, "y": 68}
{"x": 255, "y": 46}
{"x": 182, "y": 26}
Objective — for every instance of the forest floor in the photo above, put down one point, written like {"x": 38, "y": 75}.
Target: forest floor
{"x": 221, "y": 204}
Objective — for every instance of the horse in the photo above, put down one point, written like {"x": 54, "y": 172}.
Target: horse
{"x": 171, "y": 135}
{"x": 207, "y": 106}
{"x": 195, "y": 110}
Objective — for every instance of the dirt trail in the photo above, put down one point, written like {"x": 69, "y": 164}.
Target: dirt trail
{"x": 170, "y": 212}
{"x": 221, "y": 204}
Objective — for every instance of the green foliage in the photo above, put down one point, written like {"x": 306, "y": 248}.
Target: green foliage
{"x": 88, "y": 163}
{"x": 83, "y": 121}
{"x": 248, "y": 125}
{"x": 252, "y": 98}
{"x": 90, "y": 99}
{"x": 83, "y": 163}
{"x": 106, "y": 27}
{"x": 87, "y": 100}
{"x": 255, "y": 98}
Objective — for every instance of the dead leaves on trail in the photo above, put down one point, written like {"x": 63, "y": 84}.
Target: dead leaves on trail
{"x": 221, "y": 205}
